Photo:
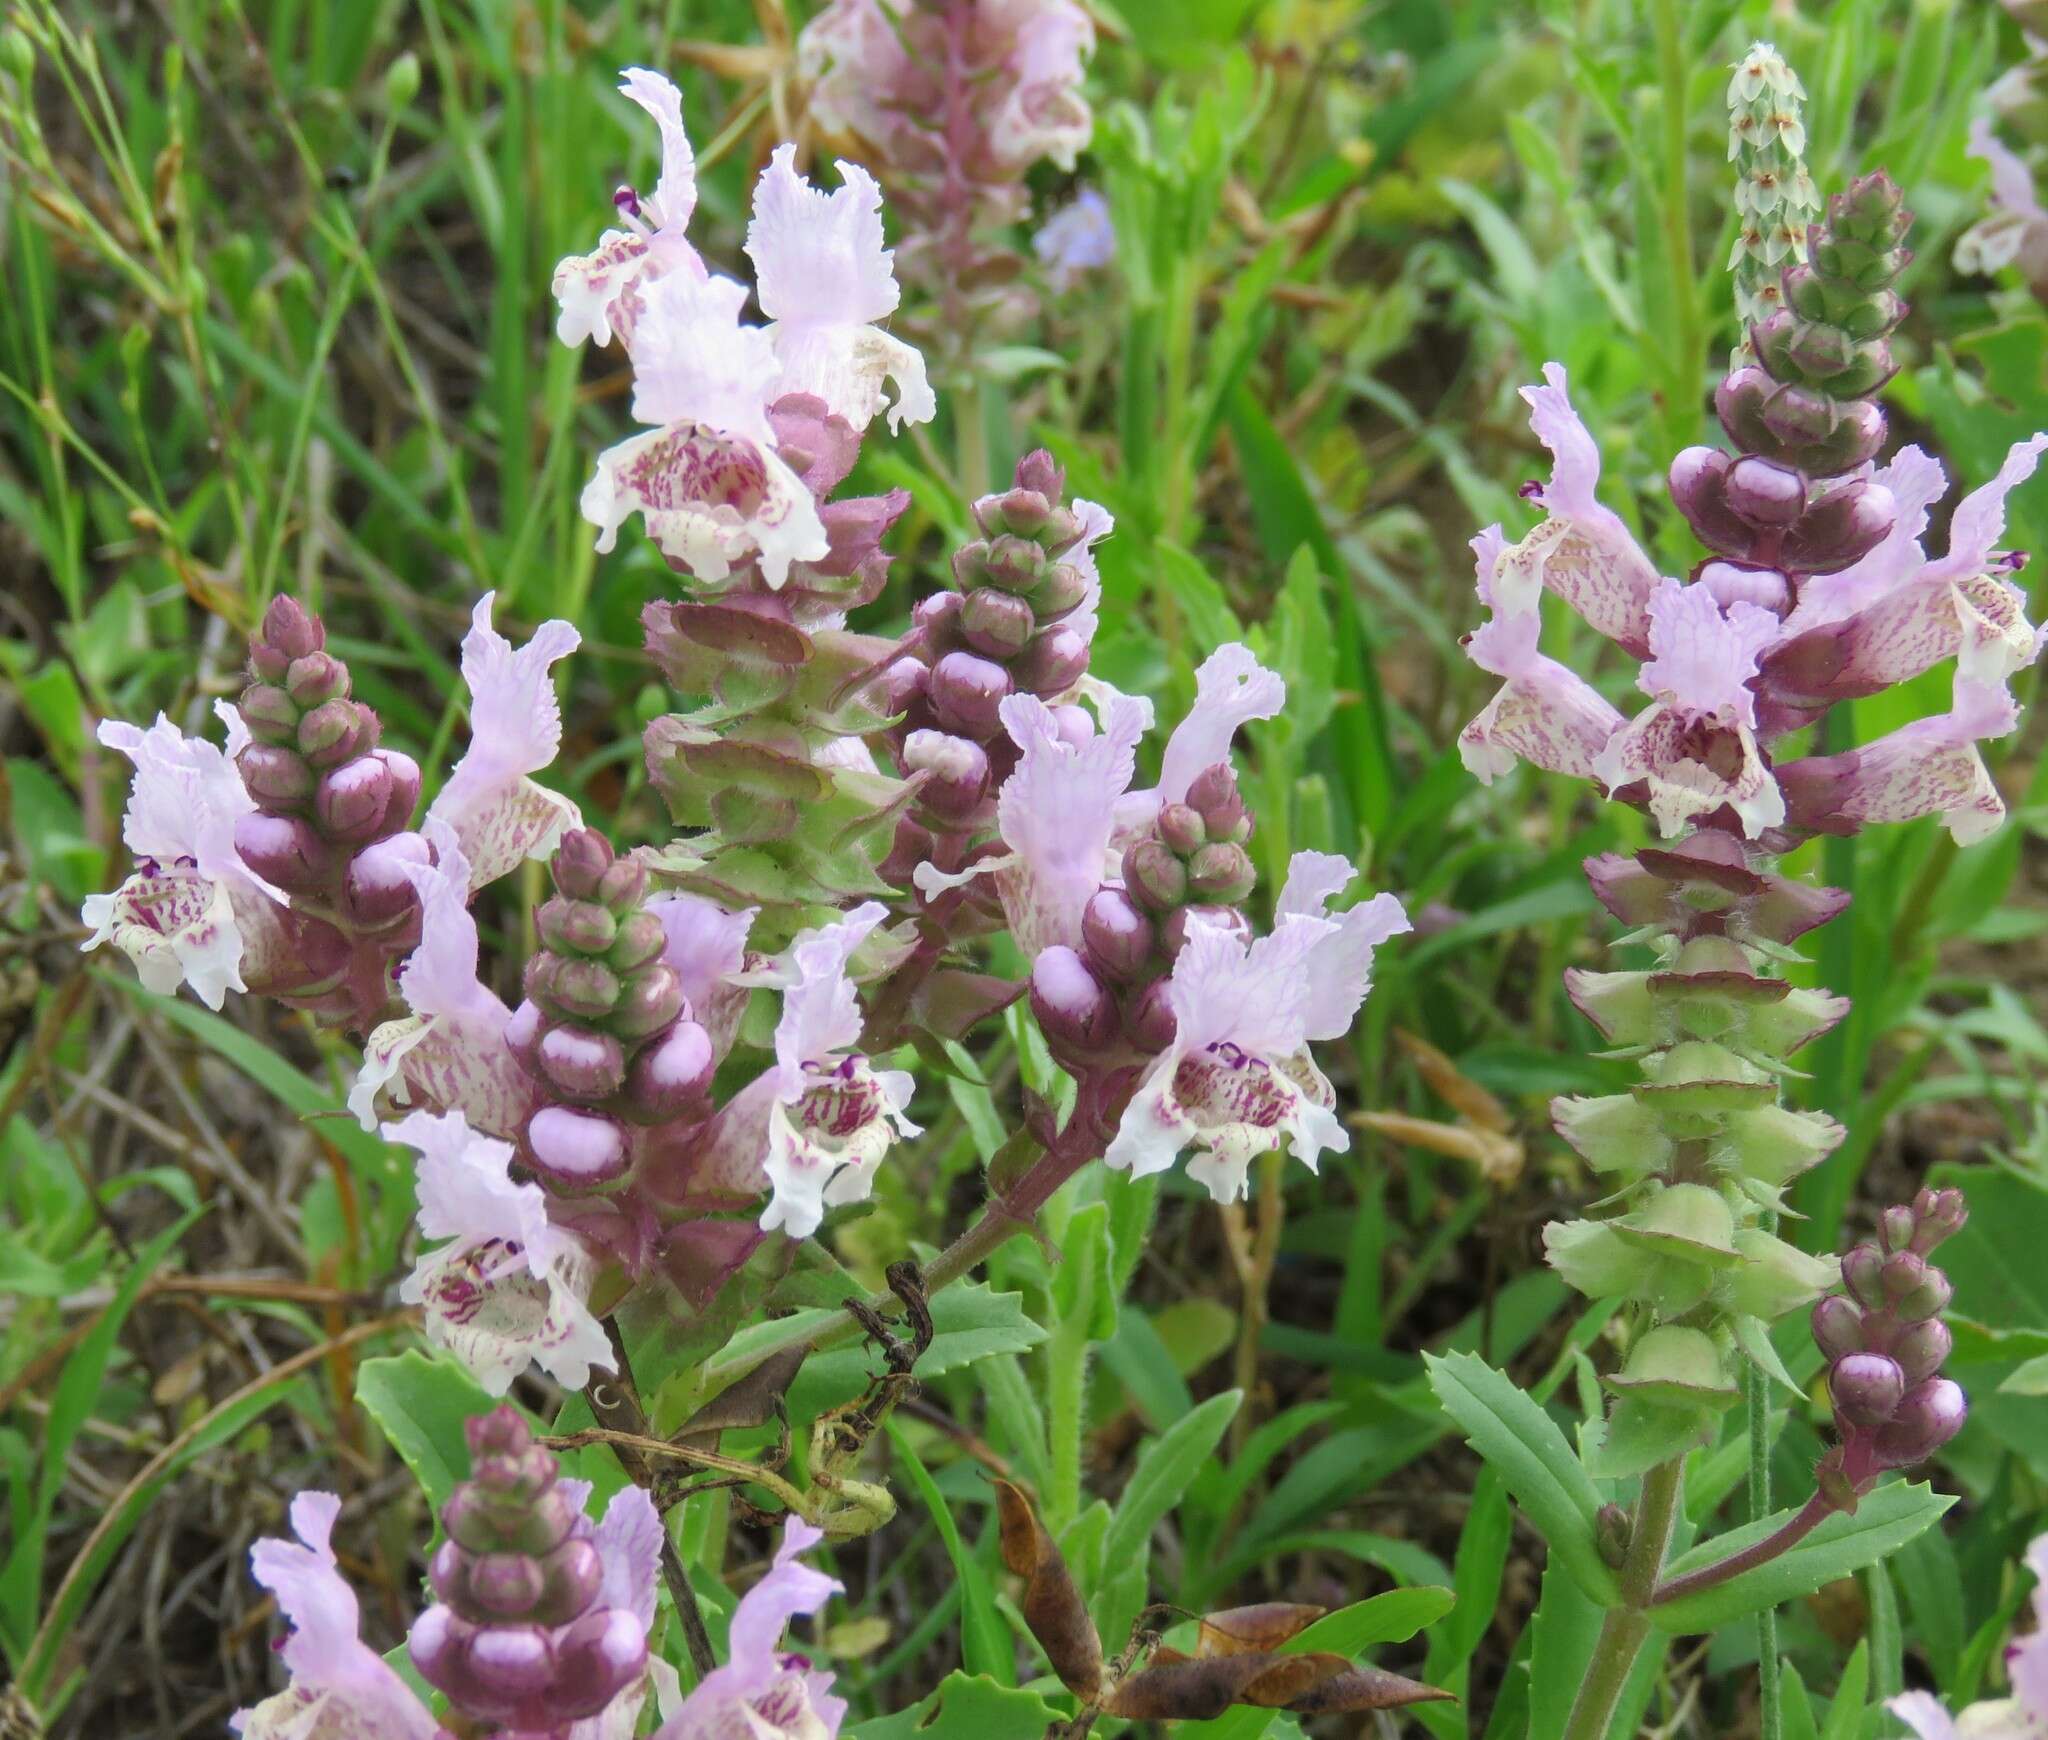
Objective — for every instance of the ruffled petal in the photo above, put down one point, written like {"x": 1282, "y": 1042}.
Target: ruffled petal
{"x": 628, "y": 1542}
{"x": 1691, "y": 769}
{"x": 177, "y": 927}
{"x": 849, "y": 367}
{"x": 1342, "y": 964}
{"x": 706, "y": 946}
{"x": 712, "y": 503}
{"x": 1703, "y": 654}
{"x": 598, "y": 291}
{"x": 1045, "y": 113}
{"x": 674, "y": 198}
{"x": 820, "y": 1009}
{"x": 824, "y": 1149}
{"x": 694, "y": 361}
{"x": 1231, "y": 689}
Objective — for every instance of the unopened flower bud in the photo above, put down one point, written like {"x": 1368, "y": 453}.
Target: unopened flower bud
{"x": 1837, "y": 1327}
{"x": 1922, "y": 1349}
{"x": 404, "y": 773}
{"x": 289, "y": 632}
{"x": 1040, "y": 473}
{"x": 1765, "y": 494}
{"x": 378, "y": 890}
{"x": 1213, "y": 793}
{"x": 1939, "y": 1214}
{"x": 505, "y": 1584}
{"x": 316, "y": 679}
{"x": 938, "y": 619}
{"x": 330, "y": 734}
{"x": 1902, "y": 1274}
{"x": 965, "y": 693}
{"x": 1013, "y": 563}
{"x": 523, "y": 1035}
{"x": 578, "y": 987}
{"x": 648, "y": 1001}
{"x": 1063, "y": 589}
{"x": 996, "y": 623}
{"x": 900, "y": 685}
{"x": 1866, "y": 1387}
{"x": 283, "y": 849}
{"x": 1738, "y": 583}
{"x": 1054, "y": 662}
{"x": 1928, "y": 1297}
{"x": 271, "y": 715}
{"x": 671, "y": 1074}
{"x": 575, "y": 1147}
{"x": 1154, "y": 877}
{"x": 1071, "y": 1004}
{"x": 1862, "y": 1274}
{"x": 583, "y": 856}
{"x": 1222, "y": 874}
{"x": 276, "y": 777}
{"x": 956, "y": 770}
{"x": 1180, "y": 826}
{"x": 1117, "y": 936}
{"x": 623, "y": 885}
{"x": 1928, "y": 1418}
{"x": 580, "y": 927}
{"x": 581, "y": 1064}
{"x": 350, "y": 801}
{"x": 1149, "y": 1022}
{"x": 1895, "y": 1227}
{"x": 640, "y": 939}
{"x": 1025, "y": 512}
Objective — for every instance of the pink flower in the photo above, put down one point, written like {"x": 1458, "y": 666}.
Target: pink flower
{"x": 498, "y": 815}
{"x": 600, "y": 292}
{"x": 192, "y": 911}
{"x": 1077, "y": 238}
{"x": 825, "y": 281}
{"x": 339, "y": 1685}
{"x": 763, "y": 1692}
{"x": 1238, "y": 1079}
{"x": 2015, "y": 230}
{"x": 450, "y": 1052}
{"x": 1043, "y": 112}
{"x": 2019, "y": 1717}
{"x": 509, "y": 1289}
{"x": 707, "y": 946}
{"x": 1741, "y": 655}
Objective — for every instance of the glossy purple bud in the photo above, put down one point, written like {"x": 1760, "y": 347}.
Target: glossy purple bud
{"x": 671, "y": 1074}
{"x": 1699, "y": 486}
{"x": 1214, "y": 795}
{"x": 1902, "y": 1275}
{"x": 1862, "y": 1274}
{"x": 289, "y": 631}
{"x": 650, "y": 1000}
{"x": 576, "y": 1148}
{"x": 581, "y": 1064}
{"x": 1922, "y": 1349}
{"x": 1149, "y": 1021}
{"x": 640, "y": 939}
{"x": 404, "y": 773}
{"x": 956, "y": 771}
{"x": 938, "y": 619}
{"x": 997, "y": 624}
{"x": 966, "y": 692}
{"x": 1013, "y": 563}
{"x": 1738, "y": 583}
{"x": 1841, "y": 528}
{"x": 316, "y": 679}
{"x": 1765, "y": 494}
{"x": 505, "y": 1584}
{"x": 284, "y": 850}
{"x": 350, "y": 801}
{"x": 576, "y": 987}
{"x": 1154, "y": 877}
{"x": 1928, "y": 1418}
{"x": 1064, "y": 589}
{"x": 1866, "y": 1387}
{"x": 900, "y": 685}
{"x": 623, "y": 885}
{"x": 574, "y": 1574}
{"x": 580, "y": 861}
{"x": 1054, "y": 662}
{"x": 1117, "y": 936}
{"x": 1076, "y": 1012}
{"x": 276, "y": 777}
{"x": 597, "y": 1657}
{"x": 580, "y": 927}
{"x": 1041, "y": 474}
{"x": 377, "y": 889}
{"x": 1837, "y": 1327}
{"x": 1181, "y": 827}
{"x": 1929, "y": 1298}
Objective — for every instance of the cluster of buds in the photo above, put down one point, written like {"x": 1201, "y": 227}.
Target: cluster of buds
{"x": 521, "y": 1636}
{"x": 606, "y": 1030}
{"x": 1885, "y": 1345}
{"x": 1775, "y": 199}
{"x": 952, "y": 102}
{"x": 332, "y": 823}
{"x": 1018, "y": 620}
{"x": 1190, "y": 867}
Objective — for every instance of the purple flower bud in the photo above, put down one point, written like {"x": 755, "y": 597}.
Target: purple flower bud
{"x": 576, "y": 987}
{"x": 598, "y": 1657}
{"x": 1940, "y": 1213}
{"x": 1842, "y": 527}
{"x": 1076, "y": 1012}
{"x": 900, "y": 685}
{"x": 271, "y": 715}
{"x": 582, "y": 1064}
{"x": 505, "y": 1584}
{"x": 965, "y": 693}
{"x": 581, "y": 859}
{"x": 316, "y": 679}
{"x": 671, "y": 1074}
{"x": 1181, "y": 827}
{"x": 996, "y": 623}
{"x": 289, "y": 632}
{"x": 854, "y": 529}
{"x": 404, "y": 773}
{"x": 623, "y": 885}
{"x": 1149, "y": 1021}
{"x": 1765, "y": 494}
{"x": 1922, "y": 1348}
{"x": 956, "y": 771}
{"x": 284, "y": 850}
{"x": 276, "y": 777}
{"x": 1054, "y": 662}
{"x": 1895, "y": 1227}
{"x": 938, "y": 619}
{"x": 576, "y": 1148}
{"x": 1929, "y": 1298}
{"x": 1040, "y": 473}
{"x": 1738, "y": 583}
{"x": 523, "y": 1035}
{"x": 1013, "y": 563}
{"x": 1213, "y": 793}
{"x": 1221, "y": 873}
{"x": 579, "y": 927}
{"x": 377, "y": 890}
{"x": 574, "y": 1575}
{"x": 1025, "y": 512}
{"x": 1699, "y": 487}
{"x": 639, "y": 940}
{"x": 650, "y": 1000}
{"x": 1902, "y": 1274}
{"x": 1837, "y": 1327}
{"x": 350, "y": 801}
{"x": 1154, "y": 877}
{"x": 1928, "y": 1418}
{"x": 1862, "y": 1274}
{"x": 1072, "y": 722}
{"x": 331, "y": 734}
{"x": 1063, "y": 589}
{"x": 1866, "y": 1387}
{"x": 1117, "y": 936}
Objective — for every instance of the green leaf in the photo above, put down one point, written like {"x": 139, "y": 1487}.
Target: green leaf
{"x": 984, "y": 1638}
{"x": 1166, "y": 1468}
{"x": 1845, "y": 1714}
{"x": 1844, "y": 1544}
{"x": 420, "y": 1403}
{"x": 1507, "y": 1427}
{"x": 966, "y": 1707}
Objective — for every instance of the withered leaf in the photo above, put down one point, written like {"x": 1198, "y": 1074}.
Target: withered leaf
{"x": 1180, "y": 1688}
{"x": 1362, "y": 1688}
{"x": 1263, "y": 1626}
{"x": 1052, "y": 1606}
{"x": 750, "y": 1400}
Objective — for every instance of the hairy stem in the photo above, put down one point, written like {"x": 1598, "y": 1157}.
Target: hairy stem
{"x": 1627, "y": 1625}
{"x": 1815, "y": 1512}
{"x": 1770, "y": 1706}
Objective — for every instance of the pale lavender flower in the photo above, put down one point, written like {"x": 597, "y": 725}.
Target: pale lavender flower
{"x": 1734, "y": 660}
{"x": 825, "y": 281}
{"x": 2015, "y": 231}
{"x": 812, "y": 1129}
{"x": 509, "y": 1289}
{"x": 450, "y": 1053}
{"x": 1238, "y": 1079}
{"x": 497, "y": 814}
{"x": 1231, "y": 690}
{"x": 1076, "y": 239}
{"x": 1043, "y": 111}
{"x": 192, "y": 911}
{"x": 340, "y": 1687}
{"x": 707, "y": 946}
{"x": 600, "y": 292}
{"x": 764, "y": 1692}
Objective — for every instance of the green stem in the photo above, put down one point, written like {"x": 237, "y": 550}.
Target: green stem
{"x": 1066, "y": 1407}
{"x": 1770, "y": 1696}
{"x": 1627, "y": 1625}
{"x": 1685, "y": 365}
